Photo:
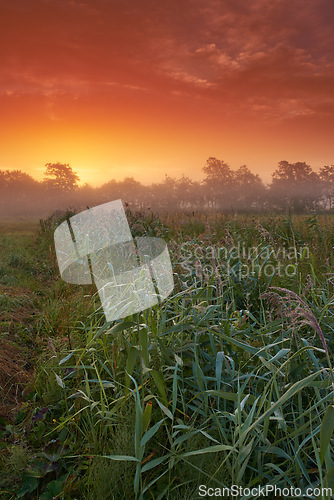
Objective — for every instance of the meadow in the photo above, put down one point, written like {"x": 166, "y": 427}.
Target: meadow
{"x": 227, "y": 382}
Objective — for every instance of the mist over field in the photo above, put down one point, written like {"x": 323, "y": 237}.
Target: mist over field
{"x": 295, "y": 187}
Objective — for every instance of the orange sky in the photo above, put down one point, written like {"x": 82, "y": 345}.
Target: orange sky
{"x": 145, "y": 87}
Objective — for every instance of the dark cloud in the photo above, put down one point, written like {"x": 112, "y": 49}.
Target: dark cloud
{"x": 276, "y": 54}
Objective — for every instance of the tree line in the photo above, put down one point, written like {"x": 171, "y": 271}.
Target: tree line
{"x": 294, "y": 187}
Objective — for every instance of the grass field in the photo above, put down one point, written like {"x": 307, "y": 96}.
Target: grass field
{"x": 227, "y": 382}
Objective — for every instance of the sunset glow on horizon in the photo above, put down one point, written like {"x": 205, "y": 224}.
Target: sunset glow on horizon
{"x": 143, "y": 89}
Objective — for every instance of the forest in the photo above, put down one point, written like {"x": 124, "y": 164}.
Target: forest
{"x": 294, "y": 188}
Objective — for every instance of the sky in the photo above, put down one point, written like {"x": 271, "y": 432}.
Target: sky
{"x": 146, "y": 88}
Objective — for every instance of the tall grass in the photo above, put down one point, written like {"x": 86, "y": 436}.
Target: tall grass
{"x": 228, "y": 382}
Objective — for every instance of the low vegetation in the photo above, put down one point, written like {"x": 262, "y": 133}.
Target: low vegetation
{"x": 227, "y": 382}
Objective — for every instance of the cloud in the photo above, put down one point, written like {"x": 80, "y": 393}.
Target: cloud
{"x": 229, "y": 51}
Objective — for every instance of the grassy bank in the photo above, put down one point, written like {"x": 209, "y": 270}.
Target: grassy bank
{"x": 229, "y": 381}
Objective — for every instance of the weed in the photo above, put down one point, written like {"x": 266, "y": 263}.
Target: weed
{"x": 221, "y": 384}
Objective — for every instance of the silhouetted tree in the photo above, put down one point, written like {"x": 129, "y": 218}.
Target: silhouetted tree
{"x": 164, "y": 194}
{"x": 109, "y": 191}
{"x": 18, "y": 189}
{"x": 60, "y": 176}
{"x": 250, "y": 190}
{"x": 219, "y": 183}
{"x": 130, "y": 191}
{"x": 327, "y": 179}
{"x": 184, "y": 192}
{"x": 84, "y": 196}
{"x": 16, "y": 179}
{"x": 295, "y": 186}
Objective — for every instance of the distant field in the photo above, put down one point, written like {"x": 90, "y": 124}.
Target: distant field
{"x": 227, "y": 382}
{"x": 18, "y": 224}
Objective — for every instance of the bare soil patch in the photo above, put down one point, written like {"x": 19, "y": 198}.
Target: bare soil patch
{"x": 15, "y": 373}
